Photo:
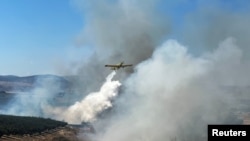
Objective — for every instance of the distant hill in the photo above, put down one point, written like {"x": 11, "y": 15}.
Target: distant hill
{"x": 19, "y": 84}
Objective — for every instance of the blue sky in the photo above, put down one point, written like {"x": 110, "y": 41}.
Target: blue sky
{"x": 36, "y": 36}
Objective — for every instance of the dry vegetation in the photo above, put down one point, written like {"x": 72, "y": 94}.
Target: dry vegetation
{"x": 59, "y": 134}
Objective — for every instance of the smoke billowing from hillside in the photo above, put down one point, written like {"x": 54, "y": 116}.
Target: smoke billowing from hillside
{"x": 41, "y": 101}
{"x": 33, "y": 102}
{"x": 171, "y": 93}
{"x": 180, "y": 87}
{"x": 175, "y": 95}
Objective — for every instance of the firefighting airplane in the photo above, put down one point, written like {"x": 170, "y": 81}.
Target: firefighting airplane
{"x": 118, "y": 66}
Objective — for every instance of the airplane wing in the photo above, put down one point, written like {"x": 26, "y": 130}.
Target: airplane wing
{"x": 111, "y": 66}
{"x": 127, "y": 65}
{"x": 118, "y": 66}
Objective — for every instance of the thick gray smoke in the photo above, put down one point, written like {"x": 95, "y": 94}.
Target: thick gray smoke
{"x": 174, "y": 90}
{"x": 180, "y": 89}
{"x": 214, "y": 20}
{"x": 120, "y": 30}
{"x": 174, "y": 95}
{"x": 124, "y": 28}
{"x": 129, "y": 30}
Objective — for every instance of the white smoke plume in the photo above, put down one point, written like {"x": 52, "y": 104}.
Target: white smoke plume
{"x": 174, "y": 95}
{"x": 88, "y": 108}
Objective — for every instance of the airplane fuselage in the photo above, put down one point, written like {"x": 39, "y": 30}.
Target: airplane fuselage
{"x": 118, "y": 66}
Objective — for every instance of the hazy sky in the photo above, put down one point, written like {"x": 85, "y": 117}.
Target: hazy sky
{"x": 39, "y": 36}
